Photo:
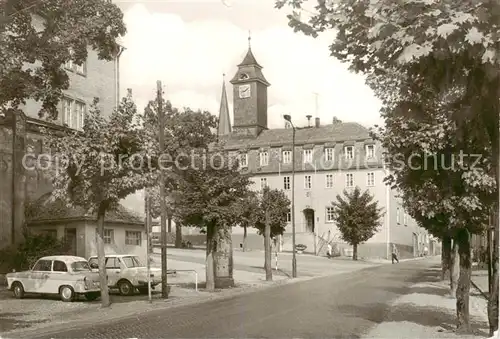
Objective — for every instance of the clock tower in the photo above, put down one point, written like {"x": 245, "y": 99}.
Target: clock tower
{"x": 249, "y": 97}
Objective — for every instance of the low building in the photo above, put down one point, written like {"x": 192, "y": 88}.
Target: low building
{"x": 329, "y": 158}
{"x": 124, "y": 231}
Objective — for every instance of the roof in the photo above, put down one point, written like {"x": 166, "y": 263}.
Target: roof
{"x": 249, "y": 59}
{"x": 44, "y": 209}
{"x": 333, "y": 133}
{"x": 65, "y": 258}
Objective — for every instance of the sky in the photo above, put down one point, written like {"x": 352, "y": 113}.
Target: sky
{"x": 190, "y": 44}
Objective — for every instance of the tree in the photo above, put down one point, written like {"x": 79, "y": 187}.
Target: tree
{"x": 266, "y": 211}
{"x": 99, "y": 166}
{"x": 186, "y": 133}
{"x": 210, "y": 195}
{"x": 247, "y": 214}
{"x": 357, "y": 217}
{"x": 437, "y": 49}
{"x": 45, "y": 35}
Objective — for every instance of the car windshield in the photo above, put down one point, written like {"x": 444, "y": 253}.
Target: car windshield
{"x": 79, "y": 266}
{"x": 131, "y": 261}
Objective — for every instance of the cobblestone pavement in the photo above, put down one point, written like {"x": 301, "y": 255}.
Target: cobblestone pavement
{"x": 345, "y": 305}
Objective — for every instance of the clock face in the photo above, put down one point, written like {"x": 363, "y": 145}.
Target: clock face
{"x": 244, "y": 91}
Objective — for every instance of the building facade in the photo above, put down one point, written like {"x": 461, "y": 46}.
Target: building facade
{"x": 21, "y": 134}
{"x": 329, "y": 158}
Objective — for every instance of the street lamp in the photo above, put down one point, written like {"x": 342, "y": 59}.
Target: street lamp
{"x": 294, "y": 258}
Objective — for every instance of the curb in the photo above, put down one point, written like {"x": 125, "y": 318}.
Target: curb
{"x": 168, "y": 304}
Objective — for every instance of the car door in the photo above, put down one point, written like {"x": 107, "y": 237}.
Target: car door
{"x": 40, "y": 276}
{"x": 113, "y": 270}
{"x": 59, "y": 276}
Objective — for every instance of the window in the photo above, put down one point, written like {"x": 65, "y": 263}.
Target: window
{"x": 287, "y": 157}
{"x": 133, "y": 238}
{"x": 307, "y": 182}
{"x": 113, "y": 262}
{"x": 370, "y": 151}
{"x": 43, "y": 266}
{"x": 405, "y": 219}
{"x": 67, "y": 108}
{"x": 264, "y": 158}
{"x": 349, "y": 180}
{"x": 132, "y": 262}
{"x": 286, "y": 183}
{"x": 243, "y": 160}
{"x": 308, "y": 155}
{"x": 80, "y": 115}
{"x": 330, "y": 214}
{"x": 370, "y": 179}
{"x": 73, "y": 113}
{"x": 59, "y": 266}
{"x": 108, "y": 236}
{"x": 397, "y": 216}
{"x": 263, "y": 183}
{"x": 329, "y": 154}
{"x": 329, "y": 180}
{"x": 349, "y": 152}
{"x": 289, "y": 216}
{"x": 51, "y": 233}
{"x": 72, "y": 66}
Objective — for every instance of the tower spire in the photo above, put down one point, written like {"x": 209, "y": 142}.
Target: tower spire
{"x": 224, "y": 127}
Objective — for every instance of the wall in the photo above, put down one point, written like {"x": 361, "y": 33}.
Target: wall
{"x": 118, "y": 246}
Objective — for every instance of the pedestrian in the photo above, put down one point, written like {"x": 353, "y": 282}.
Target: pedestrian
{"x": 329, "y": 251}
{"x": 395, "y": 254}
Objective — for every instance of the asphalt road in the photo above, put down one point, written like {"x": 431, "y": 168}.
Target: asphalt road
{"x": 346, "y": 305}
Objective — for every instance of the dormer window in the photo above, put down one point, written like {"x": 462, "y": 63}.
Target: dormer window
{"x": 244, "y": 76}
{"x": 349, "y": 152}
{"x": 264, "y": 158}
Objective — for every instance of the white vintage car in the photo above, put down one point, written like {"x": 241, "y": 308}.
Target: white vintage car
{"x": 67, "y": 276}
{"x": 126, "y": 273}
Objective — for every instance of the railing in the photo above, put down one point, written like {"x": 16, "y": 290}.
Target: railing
{"x": 195, "y": 277}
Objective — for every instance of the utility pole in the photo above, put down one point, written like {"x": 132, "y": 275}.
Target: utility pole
{"x": 163, "y": 203}
{"x": 148, "y": 237}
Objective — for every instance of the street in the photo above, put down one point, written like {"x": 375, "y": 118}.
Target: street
{"x": 346, "y": 305}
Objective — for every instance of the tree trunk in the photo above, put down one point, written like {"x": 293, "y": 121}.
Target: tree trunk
{"x": 101, "y": 257}
{"x": 463, "y": 323}
{"x": 267, "y": 249}
{"x": 244, "y": 238}
{"x": 354, "y": 251}
{"x": 210, "y": 260}
{"x": 169, "y": 224}
{"x": 446, "y": 257}
{"x": 454, "y": 269}
{"x": 178, "y": 235}
{"x": 493, "y": 292}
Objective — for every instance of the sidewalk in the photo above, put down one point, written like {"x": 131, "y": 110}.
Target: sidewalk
{"x": 480, "y": 279}
{"x": 428, "y": 312}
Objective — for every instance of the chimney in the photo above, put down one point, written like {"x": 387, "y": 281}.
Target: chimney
{"x": 308, "y": 120}
{"x": 317, "y": 122}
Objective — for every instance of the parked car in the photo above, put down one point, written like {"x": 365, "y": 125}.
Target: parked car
{"x": 65, "y": 275}
{"x": 127, "y": 273}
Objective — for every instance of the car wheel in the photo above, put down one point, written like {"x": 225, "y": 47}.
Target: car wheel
{"x": 125, "y": 287}
{"x": 18, "y": 290}
{"x": 67, "y": 293}
{"x": 91, "y": 296}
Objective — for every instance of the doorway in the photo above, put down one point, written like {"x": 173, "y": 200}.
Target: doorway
{"x": 309, "y": 218}
{"x": 70, "y": 239}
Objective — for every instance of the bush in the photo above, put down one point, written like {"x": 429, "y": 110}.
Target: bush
{"x": 23, "y": 256}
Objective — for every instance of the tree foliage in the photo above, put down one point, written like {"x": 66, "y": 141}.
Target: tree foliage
{"x": 187, "y": 132}
{"x": 357, "y": 216}
{"x": 99, "y": 166}
{"x": 39, "y": 37}
{"x": 275, "y": 202}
